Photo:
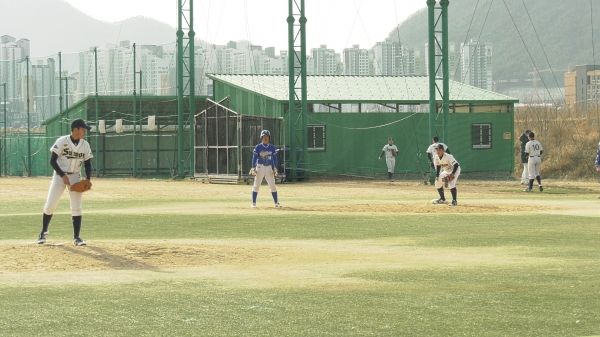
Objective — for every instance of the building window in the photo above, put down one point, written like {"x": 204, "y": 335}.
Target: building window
{"x": 316, "y": 137}
{"x": 481, "y": 136}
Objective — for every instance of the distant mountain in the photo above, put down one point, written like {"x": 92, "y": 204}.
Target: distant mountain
{"x": 54, "y": 25}
{"x": 563, "y": 26}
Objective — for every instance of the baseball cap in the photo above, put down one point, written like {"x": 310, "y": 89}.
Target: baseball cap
{"x": 80, "y": 123}
{"x": 440, "y": 146}
{"x": 527, "y": 131}
{"x": 390, "y": 138}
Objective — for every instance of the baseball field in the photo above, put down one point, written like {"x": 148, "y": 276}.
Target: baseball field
{"x": 341, "y": 258}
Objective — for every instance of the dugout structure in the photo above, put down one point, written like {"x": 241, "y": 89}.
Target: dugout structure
{"x": 225, "y": 140}
{"x": 351, "y": 117}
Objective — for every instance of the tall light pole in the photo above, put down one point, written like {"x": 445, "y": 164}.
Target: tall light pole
{"x": 60, "y": 96}
{"x": 438, "y": 26}
{"x": 185, "y": 75}
{"x": 97, "y": 123}
{"x": 134, "y": 115}
{"x": 28, "y": 120}
{"x": 297, "y": 89}
{"x": 5, "y": 159}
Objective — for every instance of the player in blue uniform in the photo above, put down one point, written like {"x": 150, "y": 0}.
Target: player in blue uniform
{"x": 598, "y": 159}
{"x": 264, "y": 165}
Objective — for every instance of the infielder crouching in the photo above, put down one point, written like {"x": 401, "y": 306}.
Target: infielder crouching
{"x": 264, "y": 165}
{"x": 435, "y": 141}
{"x": 68, "y": 153}
{"x": 447, "y": 170}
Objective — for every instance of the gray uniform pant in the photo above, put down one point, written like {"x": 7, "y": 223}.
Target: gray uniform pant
{"x": 534, "y": 166}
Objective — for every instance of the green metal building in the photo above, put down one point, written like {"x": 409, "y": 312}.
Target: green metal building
{"x": 363, "y": 111}
{"x": 149, "y": 151}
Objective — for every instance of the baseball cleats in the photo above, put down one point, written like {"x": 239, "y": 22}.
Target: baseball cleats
{"x": 439, "y": 201}
{"x": 253, "y": 206}
{"x": 528, "y": 190}
{"x": 541, "y": 188}
{"x": 42, "y": 238}
{"x": 79, "y": 242}
{"x": 454, "y": 203}
{"x": 277, "y": 205}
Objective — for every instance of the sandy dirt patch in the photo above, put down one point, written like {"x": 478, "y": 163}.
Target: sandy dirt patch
{"x": 421, "y": 208}
{"x": 238, "y": 263}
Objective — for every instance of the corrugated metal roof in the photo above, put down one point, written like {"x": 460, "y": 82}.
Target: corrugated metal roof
{"x": 349, "y": 89}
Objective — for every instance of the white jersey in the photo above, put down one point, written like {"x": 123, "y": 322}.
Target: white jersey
{"x": 70, "y": 156}
{"x": 533, "y": 148}
{"x": 447, "y": 162}
{"x": 388, "y": 150}
{"x": 431, "y": 148}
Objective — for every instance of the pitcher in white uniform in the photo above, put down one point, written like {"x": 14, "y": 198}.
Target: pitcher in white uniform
{"x": 390, "y": 151}
{"x": 68, "y": 155}
{"x": 534, "y": 150}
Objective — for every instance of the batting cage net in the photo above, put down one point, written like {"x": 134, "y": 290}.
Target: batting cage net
{"x": 225, "y": 140}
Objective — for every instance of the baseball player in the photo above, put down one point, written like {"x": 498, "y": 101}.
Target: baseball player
{"x": 598, "y": 159}
{"x": 534, "y": 150}
{"x": 447, "y": 170}
{"x": 264, "y": 165}
{"x": 524, "y": 139}
{"x": 390, "y": 151}
{"x": 598, "y": 162}
{"x": 431, "y": 150}
{"x": 68, "y": 153}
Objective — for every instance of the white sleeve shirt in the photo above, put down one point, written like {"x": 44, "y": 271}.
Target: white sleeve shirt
{"x": 71, "y": 156}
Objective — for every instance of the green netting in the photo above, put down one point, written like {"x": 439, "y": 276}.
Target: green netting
{"x": 15, "y": 161}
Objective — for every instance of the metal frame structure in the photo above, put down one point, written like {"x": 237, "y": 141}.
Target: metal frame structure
{"x": 207, "y": 125}
{"x": 4, "y": 146}
{"x": 297, "y": 90}
{"x": 185, "y": 76}
{"x": 29, "y": 168}
{"x": 134, "y": 172}
{"x": 96, "y": 106}
{"x": 438, "y": 37}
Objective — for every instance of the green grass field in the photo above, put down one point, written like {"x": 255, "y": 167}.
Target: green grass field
{"x": 349, "y": 258}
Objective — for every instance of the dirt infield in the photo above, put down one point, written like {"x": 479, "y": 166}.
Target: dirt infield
{"x": 252, "y": 263}
{"x": 423, "y": 208}
{"x": 262, "y": 262}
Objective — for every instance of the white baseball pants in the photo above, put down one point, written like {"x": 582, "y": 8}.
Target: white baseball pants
{"x": 391, "y": 163}
{"x": 451, "y": 184}
{"x": 525, "y": 175}
{"x": 265, "y": 172}
{"x": 534, "y": 166}
{"x": 57, "y": 187}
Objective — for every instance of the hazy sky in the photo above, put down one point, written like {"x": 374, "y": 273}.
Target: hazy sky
{"x": 332, "y": 22}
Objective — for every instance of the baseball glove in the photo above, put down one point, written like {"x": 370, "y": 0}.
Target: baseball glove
{"x": 82, "y": 186}
{"x": 448, "y": 178}
{"x": 394, "y": 153}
